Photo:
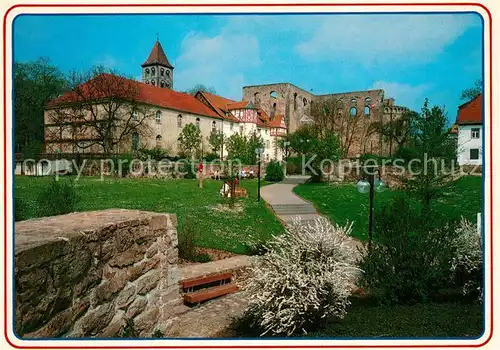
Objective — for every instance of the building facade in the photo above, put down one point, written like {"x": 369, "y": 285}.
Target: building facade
{"x": 297, "y": 106}
{"x": 271, "y": 111}
{"x": 470, "y": 132}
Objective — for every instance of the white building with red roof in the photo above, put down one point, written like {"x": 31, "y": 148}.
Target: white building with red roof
{"x": 470, "y": 132}
{"x": 168, "y": 112}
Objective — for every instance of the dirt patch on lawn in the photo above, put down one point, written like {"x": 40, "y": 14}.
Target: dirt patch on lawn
{"x": 215, "y": 254}
{"x": 225, "y": 208}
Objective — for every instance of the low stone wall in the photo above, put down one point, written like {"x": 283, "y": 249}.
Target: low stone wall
{"x": 93, "y": 274}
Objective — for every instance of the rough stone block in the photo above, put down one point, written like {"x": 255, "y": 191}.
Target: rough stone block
{"x": 134, "y": 254}
{"x": 152, "y": 250}
{"x": 107, "y": 289}
{"x": 159, "y": 222}
{"x": 97, "y": 319}
{"x": 115, "y": 327}
{"x": 126, "y": 296}
{"x": 147, "y": 282}
{"x": 142, "y": 267}
{"x": 71, "y": 267}
{"x": 92, "y": 279}
{"x": 124, "y": 239}
{"x": 136, "y": 307}
{"x": 145, "y": 322}
{"x": 62, "y": 322}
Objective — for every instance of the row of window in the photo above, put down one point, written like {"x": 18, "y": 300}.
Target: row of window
{"x": 135, "y": 141}
{"x": 162, "y": 83}
{"x": 163, "y": 72}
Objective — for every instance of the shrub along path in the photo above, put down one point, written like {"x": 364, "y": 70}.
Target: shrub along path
{"x": 287, "y": 205}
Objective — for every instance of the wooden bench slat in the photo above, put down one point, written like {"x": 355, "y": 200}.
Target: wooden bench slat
{"x": 198, "y": 281}
{"x": 210, "y": 293}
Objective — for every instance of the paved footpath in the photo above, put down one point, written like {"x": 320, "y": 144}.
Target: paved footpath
{"x": 287, "y": 205}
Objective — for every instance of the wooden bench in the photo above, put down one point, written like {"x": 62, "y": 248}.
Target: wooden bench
{"x": 200, "y": 289}
{"x": 240, "y": 192}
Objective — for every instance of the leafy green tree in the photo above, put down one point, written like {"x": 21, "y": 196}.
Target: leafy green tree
{"x": 35, "y": 83}
{"x": 301, "y": 141}
{"x": 190, "y": 139}
{"x": 237, "y": 147}
{"x": 200, "y": 87}
{"x": 216, "y": 140}
{"x": 472, "y": 92}
{"x": 434, "y": 152}
{"x": 254, "y": 141}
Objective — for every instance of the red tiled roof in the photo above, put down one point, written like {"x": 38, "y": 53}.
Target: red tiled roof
{"x": 145, "y": 93}
{"x": 220, "y": 104}
{"x": 277, "y": 122}
{"x": 471, "y": 112}
{"x": 237, "y": 105}
{"x": 157, "y": 56}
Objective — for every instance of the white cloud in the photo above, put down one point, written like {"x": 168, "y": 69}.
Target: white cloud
{"x": 219, "y": 61}
{"x": 107, "y": 61}
{"x": 375, "y": 39}
{"x": 411, "y": 96}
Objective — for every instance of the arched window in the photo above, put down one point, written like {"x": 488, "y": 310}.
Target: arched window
{"x": 147, "y": 71}
{"x": 214, "y": 126}
{"x": 198, "y": 123}
{"x": 162, "y": 83}
{"x": 152, "y": 71}
{"x": 168, "y": 73}
{"x": 147, "y": 82}
{"x": 153, "y": 82}
{"x": 304, "y": 101}
{"x": 353, "y": 101}
{"x": 273, "y": 94}
{"x": 168, "y": 85}
{"x": 368, "y": 101}
{"x": 162, "y": 72}
{"x": 135, "y": 141}
{"x": 295, "y": 101}
{"x": 256, "y": 98}
{"x": 179, "y": 121}
{"x": 158, "y": 141}
{"x": 367, "y": 111}
{"x": 273, "y": 111}
{"x": 158, "y": 117}
{"x": 353, "y": 111}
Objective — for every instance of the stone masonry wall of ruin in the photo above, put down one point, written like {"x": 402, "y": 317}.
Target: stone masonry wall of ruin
{"x": 92, "y": 274}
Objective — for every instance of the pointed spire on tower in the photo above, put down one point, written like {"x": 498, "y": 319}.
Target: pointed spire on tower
{"x": 157, "y": 56}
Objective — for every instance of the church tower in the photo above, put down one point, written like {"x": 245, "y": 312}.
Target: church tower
{"x": 157, "y": 70}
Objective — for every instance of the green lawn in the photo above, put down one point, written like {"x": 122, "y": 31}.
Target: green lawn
{"x": 215, "y": 225}
{"x": 450, "y": 320}
{"x": 342, "y": 202}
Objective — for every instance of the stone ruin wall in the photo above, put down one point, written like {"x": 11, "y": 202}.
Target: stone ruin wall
{"x": 92, "y": 274}
{"x": 294, "y": 111}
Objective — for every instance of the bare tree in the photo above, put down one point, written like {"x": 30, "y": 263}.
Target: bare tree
{"x": 332, "y": 115}
{"x": 101, "y": 109}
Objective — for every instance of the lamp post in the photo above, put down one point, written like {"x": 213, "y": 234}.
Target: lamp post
{"x": 258, "y": 152}
{"x": 286, "y": 144}
{"x": 369, "y": 184}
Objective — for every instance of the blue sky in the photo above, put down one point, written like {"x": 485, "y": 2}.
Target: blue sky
{"x": 410, "y": 56}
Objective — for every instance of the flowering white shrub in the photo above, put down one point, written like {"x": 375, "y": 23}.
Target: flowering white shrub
{"x": 468, "y": 258}
{"x": 306, "y": 275}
